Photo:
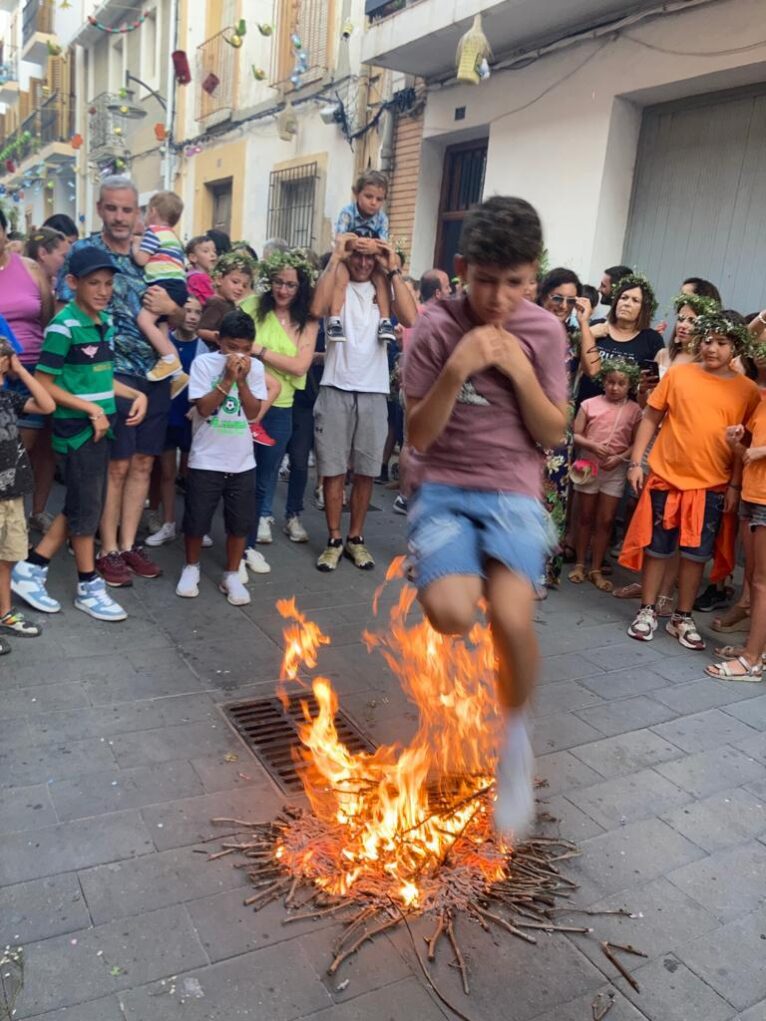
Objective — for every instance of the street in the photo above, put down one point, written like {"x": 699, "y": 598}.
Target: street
{"x": 115, "y": 756}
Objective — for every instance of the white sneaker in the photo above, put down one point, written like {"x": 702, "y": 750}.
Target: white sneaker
{"x": 242, "y": 574}
{"x": 165, "y": 533}
{"x": 188, "y": 583}
{"x": 207, "y": 542}
{"x": 294, "y": 530}
{"x": 312, "y": 459}
{"x": 256, "y": 561}
{"x": 319, "y": 497}
{"x": 264, "y": 535}
{"x": 233, "y": 589}
{"x": 515, "y": 802}
{"x": 153, "y": 521}
{"x": 92, "y": 598}
{"x": 284, "y": 468}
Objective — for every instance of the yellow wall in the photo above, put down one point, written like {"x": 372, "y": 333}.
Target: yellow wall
{"x": 213, "y": 165}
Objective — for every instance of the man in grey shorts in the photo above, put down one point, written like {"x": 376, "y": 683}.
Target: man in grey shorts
{"x": 350, "y": 414}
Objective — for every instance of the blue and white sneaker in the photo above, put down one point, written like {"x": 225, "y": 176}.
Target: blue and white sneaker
{"x": 92, "y": 598}
{"x": 28, "y": 583}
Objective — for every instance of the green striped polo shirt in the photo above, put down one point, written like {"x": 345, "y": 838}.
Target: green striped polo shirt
{"x": 78, "y": 352}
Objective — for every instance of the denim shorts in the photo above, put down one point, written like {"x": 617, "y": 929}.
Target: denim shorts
{"x": 85, "y": 473}
{"x": 665, "y": 540}
{"x": 31, "y": 420}
{"x": 204, "y": 491}
{"x": 456, "y": 531}
{"x": 149, "y": 437}
{"x": 753, "y": 513}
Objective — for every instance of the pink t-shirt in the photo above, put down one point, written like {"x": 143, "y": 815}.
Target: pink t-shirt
{"x": 21, "y": 304}
{"x": 200, "y": 285}
{"x": 607, "y": 422}
{"x": 485, "y": 444}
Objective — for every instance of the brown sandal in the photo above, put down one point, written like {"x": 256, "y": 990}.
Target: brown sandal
{"x": 737, "y": 618}
{"x": 632, "y": 591}
{"x": 577, "y": 575}
{"x": 601, "y": 583}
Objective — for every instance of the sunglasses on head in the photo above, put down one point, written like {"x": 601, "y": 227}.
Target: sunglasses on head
{"x": 559, "y": 299}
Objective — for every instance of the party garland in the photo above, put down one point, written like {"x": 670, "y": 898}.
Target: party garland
{"x": 718, "y": 323}
{"x": 296, "y": 260}
{"x": 698, "y": 303}
{"x": 626, "y": 366}
{"x": 129, "y": 26}
{"x": 636, "y": 280}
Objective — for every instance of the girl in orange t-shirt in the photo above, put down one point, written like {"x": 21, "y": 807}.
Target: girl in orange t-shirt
{"x": 692, "y": 488}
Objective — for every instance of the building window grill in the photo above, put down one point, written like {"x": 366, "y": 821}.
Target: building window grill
{"x": 216, "y": 75}
{"x": 292, "y": 197}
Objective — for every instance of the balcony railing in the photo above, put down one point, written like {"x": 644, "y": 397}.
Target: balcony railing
{"x": 377, "y": 10}
{"x": 9, "y": 63}
{"x": 217, "y": 76}
{"x": 37, "y": 17}
{"x": 106, "y": 126}
{"x": 52, "y": 122}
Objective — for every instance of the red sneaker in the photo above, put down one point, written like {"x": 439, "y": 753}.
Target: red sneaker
{"x": 140, "y": 563}
{"x": 260, "y": 435}
{"x": 113, "y": 570}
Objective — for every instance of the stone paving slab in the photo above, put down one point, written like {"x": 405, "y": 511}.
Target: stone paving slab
{"x": 187, "y": 821}
{"x": 406, "y": 999}
{"x": 640, "y": 795}
{"x": 669, "y": 990}
{"x": 25, "y": 808}
{"x": 709, "y": 772}
{"x": 729, "y": 882}
{"x": 41, "y": 908}
{"x": 106, "y": 1009}
{"x": 726, "y": 818}
{"x": 116, "y": 790}
{"x": 627, "y": 753}
{"x": 702, "y": 731}
{"x": 731, "y": 959}
{"x": 620, "y": 716}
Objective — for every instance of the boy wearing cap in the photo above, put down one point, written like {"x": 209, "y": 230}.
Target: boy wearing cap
{"x": 76, "y": 369}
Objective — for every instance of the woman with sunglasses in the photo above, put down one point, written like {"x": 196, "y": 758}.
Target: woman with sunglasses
{"x": 560, "y": 292}
{"x": 285, "y": 340}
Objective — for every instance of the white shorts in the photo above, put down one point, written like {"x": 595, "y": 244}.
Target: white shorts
{"x": 611, "y": 483}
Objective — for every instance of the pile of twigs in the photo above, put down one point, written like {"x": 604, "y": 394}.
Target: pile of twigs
{"x": 524, "y": 902}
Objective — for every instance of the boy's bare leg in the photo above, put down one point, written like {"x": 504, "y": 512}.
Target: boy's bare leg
{"x": 332, "y": 486}
{"x": 235, "y": 550}
{"x": 168, "y": 486}
{"x": 511, "y": 607}
{"x": 54, "y": 538}
{"x": 382, "y": 293}
{"x": 361, "y": 494}
{"x": 689, "y": 577}
{"x": 651, "y": 579}
{"x": 756, "y": 640}
{"x": 84, "y": 555}
{"x": 154, "y": 333}
{"x": 134, "y": 496}
{"x": 342, "y": 280}
{"x": 450, "y": 603}
{"x": 5, "y": 587}
{"x": 193, "y": 548}
{"x": 110, "y": 516}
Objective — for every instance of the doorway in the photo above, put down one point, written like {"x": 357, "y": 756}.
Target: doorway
{"x": 462, "y": 187}
{"x": 220, "y": 193}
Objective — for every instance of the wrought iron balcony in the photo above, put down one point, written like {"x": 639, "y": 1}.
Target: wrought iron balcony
{"x": 217, "y": 77}
{"x": 9, "y": 74}
{"x": 37, "y": 30}
{"x": 107, "y": 127}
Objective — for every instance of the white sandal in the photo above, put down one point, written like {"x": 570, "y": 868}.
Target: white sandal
{"x": 725, "y": 671}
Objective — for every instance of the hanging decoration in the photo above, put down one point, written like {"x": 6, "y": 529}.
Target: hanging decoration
{"x": 472, "y": 50}
{"x": 346, "y": 29}
{"x": 54, "y": 50}
{"x": 265, "y": 29}
{"x": 301, "y": 61}
{"x": 129, "y": 26}
{"x": 211, "y": 83}
{"x": 235, "y": 35}
{"x": 287, "y": 123}
{"x": 258, "y": 73}
{"x": 64, "y": 5}
{"x": 192, "y": 150}
{"x": 160, "y": 131}
{"x": 181, "y": 67}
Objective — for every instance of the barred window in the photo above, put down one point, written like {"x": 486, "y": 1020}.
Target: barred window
{"x": 311, "y": 21}
{"x": 292, "y": 197}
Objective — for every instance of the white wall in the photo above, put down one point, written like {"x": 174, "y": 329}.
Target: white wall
{"x": 572, "y": 152}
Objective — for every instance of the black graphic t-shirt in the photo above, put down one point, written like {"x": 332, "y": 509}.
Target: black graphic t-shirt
{"x": 15, "y": 468}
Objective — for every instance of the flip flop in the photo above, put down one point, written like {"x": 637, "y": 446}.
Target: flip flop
{"x": 601, "y": 583}
{"x": 726, "y": 671}
{"x": 577, "y": 574}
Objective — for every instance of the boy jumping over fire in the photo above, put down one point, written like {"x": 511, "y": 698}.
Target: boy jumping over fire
{"x": 486, "y": 389}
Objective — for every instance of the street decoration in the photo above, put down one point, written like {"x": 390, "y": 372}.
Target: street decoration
{"x": 129, "y": 26}
{"x": 473, "y": 51}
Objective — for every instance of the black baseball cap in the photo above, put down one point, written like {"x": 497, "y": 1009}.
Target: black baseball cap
{"x": 88, "y": 259}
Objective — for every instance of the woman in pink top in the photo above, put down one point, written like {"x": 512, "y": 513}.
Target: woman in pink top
{"x": 27, "y": 303}
{"x": 603, "y": 434}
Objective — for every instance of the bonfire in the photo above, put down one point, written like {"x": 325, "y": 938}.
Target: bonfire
{"x": 404, "y": 831}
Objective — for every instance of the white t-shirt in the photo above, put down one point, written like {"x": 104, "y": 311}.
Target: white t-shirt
{"x": 361, "y": 362}
{"x": 222, "y": 442}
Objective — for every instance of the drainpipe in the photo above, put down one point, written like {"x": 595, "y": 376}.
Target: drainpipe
{"x": 171, "y": 94}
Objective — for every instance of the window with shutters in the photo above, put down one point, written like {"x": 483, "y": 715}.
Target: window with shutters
{"x": 311, "y": 22}
{"x": 292, "y": 205}
{"x": 57, "y": 110}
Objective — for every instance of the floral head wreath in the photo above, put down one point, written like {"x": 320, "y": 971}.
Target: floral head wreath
{"x": 294, "y": 259}
{"x": 698, "y": 303}
{"x": 637, "y": 280}
{"x": 235, "y": 260}
{"x": 719, "y": 322}
{"x": 626, "y": 366}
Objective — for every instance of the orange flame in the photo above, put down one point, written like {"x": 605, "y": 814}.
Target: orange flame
{"x": 387, "y": 822}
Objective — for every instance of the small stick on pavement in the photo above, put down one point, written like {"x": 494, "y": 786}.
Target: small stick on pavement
{"x": 458, "y": 956}
{"x": 619, "y": 966}
{"x": 627, "y": 948}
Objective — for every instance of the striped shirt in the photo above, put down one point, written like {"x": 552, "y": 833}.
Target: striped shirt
{"x": 168, "y": 260}
{"x": 78, "y": 352}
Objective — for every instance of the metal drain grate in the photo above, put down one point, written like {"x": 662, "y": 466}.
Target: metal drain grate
{"x": 271, "y": 733}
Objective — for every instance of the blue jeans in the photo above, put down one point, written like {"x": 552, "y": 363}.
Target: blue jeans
{"x": 299, "y": 448}
{"x": 278, "y": 423}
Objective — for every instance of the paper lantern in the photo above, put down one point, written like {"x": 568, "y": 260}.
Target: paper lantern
{"x": 258, "y": 73}
{"x": 10, "y": 166}
{"x": 160, "y": 132}
{"x": 265, "y": 29}
{"x": 472, "y": 49}
{"x": 76, "y": 141}
{"x": 181, "y": 67}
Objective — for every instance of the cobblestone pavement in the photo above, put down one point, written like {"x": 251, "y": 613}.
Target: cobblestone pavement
{"x": 114, "y": 756}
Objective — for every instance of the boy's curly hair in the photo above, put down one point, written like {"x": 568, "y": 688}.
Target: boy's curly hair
{"x": 503, "y": 231}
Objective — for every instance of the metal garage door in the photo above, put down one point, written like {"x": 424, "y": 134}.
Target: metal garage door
{"x": 699, "y": 197}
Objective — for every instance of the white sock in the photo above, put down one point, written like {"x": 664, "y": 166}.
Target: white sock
{"x": 169, "y": 358}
